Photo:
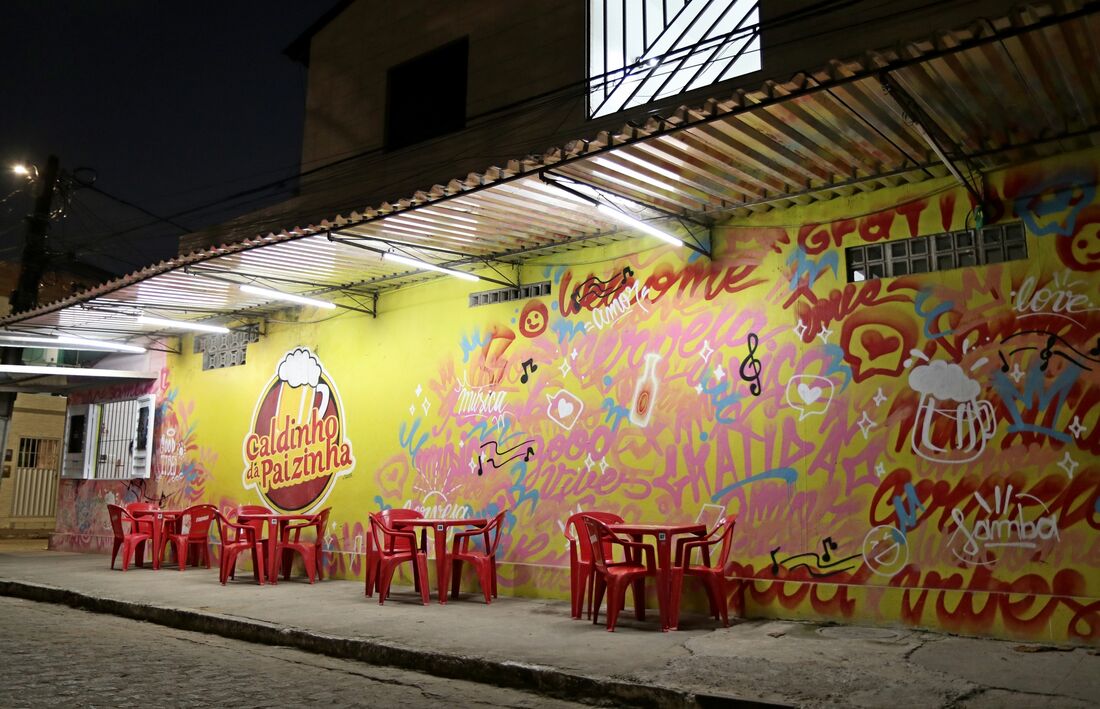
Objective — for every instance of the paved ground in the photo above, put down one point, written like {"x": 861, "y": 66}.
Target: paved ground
{"x": 58, "y": 656}
{"x": 534, "y": 644}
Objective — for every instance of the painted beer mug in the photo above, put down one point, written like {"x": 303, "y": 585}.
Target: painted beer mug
{"x": 952, "y": 424}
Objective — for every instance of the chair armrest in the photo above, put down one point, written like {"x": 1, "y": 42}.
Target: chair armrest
{"x": 688, "y": 545}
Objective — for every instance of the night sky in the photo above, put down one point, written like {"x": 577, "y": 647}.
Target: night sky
{"x": 174, "y": 105}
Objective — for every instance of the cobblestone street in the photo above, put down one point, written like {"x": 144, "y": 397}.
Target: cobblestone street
{"x": 58, "y": 656}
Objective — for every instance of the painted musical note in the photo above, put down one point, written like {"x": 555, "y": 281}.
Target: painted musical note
{"x": 750, "y": 366}
{"x": 491, "y": 459}
{"x": 775, "y": 562}
{"x": 827, "y": 543}
{"x": 528, "y": 367}
{"x": 1004, "y": 362}
{"x": 1044, "y": 354}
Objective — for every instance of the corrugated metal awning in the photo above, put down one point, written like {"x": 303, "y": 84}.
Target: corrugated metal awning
{"x": 999, "y": 92}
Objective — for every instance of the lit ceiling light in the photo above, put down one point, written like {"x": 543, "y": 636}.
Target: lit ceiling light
{"x": 181, "y": 324}
{"x": 288, "y": 297}
{"x": 21, "y": 170}
{"x": 68, "y": 342}
{"x": 75, "y": 371}
{"x": 625, "y": 218}
{"x": 398, "y": 258}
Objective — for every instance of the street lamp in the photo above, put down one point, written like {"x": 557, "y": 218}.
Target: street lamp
{"x": 28, "y": 171}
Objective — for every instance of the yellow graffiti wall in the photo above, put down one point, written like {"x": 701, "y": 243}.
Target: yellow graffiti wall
{"x": 913, "y": 450}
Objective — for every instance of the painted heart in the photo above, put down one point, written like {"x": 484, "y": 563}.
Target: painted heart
{"x": 876, "y": 344}
{"x": 564, "y": 408}
{"x": 809, "y": 394}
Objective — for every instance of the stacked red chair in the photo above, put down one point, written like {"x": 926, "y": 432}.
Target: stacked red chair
{"x": 392, "y": 548}
{"x": 196, "y": 521}
{"x": 484, "y": 561}
{"x": 127, "y": 540}
{"x": 235, "y": 539}
{"x": 388, "y": 516}
{"x": 581, "y": 575}
{"x": 712, "y": 576}
{"x": 616, "y": 576}
{"x": 311, "y": 550}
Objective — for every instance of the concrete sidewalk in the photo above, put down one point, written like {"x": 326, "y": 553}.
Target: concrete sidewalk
{"x": 535, "y": 645}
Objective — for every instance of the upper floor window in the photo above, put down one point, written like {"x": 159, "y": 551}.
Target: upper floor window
{"x": 426, "y": 96}
{"x": 645, "y": 50}
{"x": 940, "y": 252}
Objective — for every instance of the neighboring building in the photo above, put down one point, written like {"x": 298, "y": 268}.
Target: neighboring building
{"x": 32, "y": 458}
{"x": 877, "y": 345}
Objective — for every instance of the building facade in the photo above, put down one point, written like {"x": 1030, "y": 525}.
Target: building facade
{"x": 880, "y": 351}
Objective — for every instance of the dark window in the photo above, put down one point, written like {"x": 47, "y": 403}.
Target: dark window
{"x": 76, "y": 434}
{"x": 939, "y": 252}
{"x": 143, "y": 428}
{"x": 426, "y": 96}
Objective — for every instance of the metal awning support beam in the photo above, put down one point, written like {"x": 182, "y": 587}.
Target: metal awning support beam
{"x": 447, "y": 265}
{"x": 927, "y": 128}
{"x": 230, "y": 281}
{"x": 546, "y": 176}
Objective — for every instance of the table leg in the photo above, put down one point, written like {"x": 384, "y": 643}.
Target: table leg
{"x": 664, "y": 543}
{"x": 442, "y": 568}
{"x": 273, "y": 536}
{"x": 158, "y": 524}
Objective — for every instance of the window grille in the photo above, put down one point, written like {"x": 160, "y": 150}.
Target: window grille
{"x": 641, "y": 51}
{"x": 504, "y": 295}
{"x": 939, "y": 252}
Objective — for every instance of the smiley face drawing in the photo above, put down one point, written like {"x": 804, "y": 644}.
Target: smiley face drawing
{"x": 533, "y": 319}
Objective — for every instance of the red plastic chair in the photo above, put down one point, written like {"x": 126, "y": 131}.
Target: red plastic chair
{"x": 235, "y": 539}
{"x": 402, "y": 544}
{"x": 196, "y": 520}
{"x": 311, "y": 550}
{"x": 713, "y": 577}
{"x": 144, "y": 524}
{"x": 616, "y": 576}
{"x": 388, "y": 554}
{"x": 260, "y": 525}
{"x": 484, "y": 562}
{"x": 127, "y": 541}
{"x": 581, "y": 576}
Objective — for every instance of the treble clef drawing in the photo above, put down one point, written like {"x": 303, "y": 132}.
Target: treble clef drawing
{"x": 750, "y": 366}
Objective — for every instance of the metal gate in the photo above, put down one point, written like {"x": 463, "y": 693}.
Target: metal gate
{"x": 34, "y": 484}
{"x": 117, "y": 425}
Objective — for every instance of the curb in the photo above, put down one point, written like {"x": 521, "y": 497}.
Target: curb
{"x": 541, "y": 679}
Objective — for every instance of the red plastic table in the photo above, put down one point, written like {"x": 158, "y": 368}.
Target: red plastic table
{"x": 662, "y": 534}
{"x": 442, "y": 555}
{"x": 274, "y": 523}
{"x": 159, "y": 519}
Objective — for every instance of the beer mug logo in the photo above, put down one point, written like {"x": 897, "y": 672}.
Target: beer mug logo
{"x": 297, "y": 446}
{"x": 952, "y": 425}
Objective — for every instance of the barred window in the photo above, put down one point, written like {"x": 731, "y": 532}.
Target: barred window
{"x": 939, "y": 252}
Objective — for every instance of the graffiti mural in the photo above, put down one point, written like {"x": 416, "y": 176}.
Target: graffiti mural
{"x": 920, "y": 450}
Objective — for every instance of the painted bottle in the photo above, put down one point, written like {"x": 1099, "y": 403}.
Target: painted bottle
{"x": 645, "y": 392}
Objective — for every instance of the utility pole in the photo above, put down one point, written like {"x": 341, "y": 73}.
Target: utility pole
{"x": 31, "y": 269}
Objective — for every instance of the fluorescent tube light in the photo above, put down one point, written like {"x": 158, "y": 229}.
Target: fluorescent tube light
{"x": 625, "y": 218}
{"x": 398, "y": 258}
{"x": 181, "y": 324}
{"x": 68, "y": 342}
{"x": 75, "y": 371}
{"x": 289, "y": 297}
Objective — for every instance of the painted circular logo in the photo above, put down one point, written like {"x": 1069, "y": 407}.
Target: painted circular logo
{"x": 296, "y": 447}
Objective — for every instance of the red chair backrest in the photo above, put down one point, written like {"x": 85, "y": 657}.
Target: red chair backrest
{"x": 257, "y": 524}
{"x": 381, "y": 532}
{"x": 584, "y": 546}
{"x": 493, "y": 528}
{"x": 118, "y": 515}
{"x": 228, "y": 533}
{"x": 196, "y": 520}
{"x": 725, "y": 526}
{"x": 388, "y": 516}
{"x": 599, "y": 541}
{"x": 321, "y": 520}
